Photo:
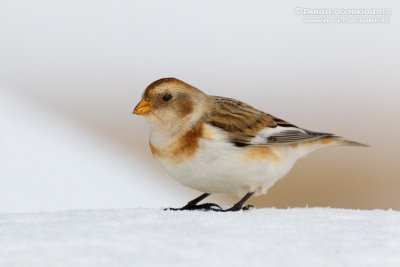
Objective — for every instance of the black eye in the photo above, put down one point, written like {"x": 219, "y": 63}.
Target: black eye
{"x": 167, "y": 97}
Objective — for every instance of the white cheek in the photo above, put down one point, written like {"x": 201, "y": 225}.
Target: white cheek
{"x": 166, "y": 127}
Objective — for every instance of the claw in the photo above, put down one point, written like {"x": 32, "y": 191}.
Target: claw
{"x": 248, "y": 207}
{"x": 209, "y": 206}
{"x": 237, "y": 208}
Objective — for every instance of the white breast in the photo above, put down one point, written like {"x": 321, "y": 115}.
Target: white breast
{"x": 220, "y": 167}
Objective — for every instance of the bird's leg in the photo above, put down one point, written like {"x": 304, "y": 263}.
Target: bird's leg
{"x": 192, "y": 205}
{"x": 239, "y": 206}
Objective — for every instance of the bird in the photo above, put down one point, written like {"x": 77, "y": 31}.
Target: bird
{"x": 219, "y": 145}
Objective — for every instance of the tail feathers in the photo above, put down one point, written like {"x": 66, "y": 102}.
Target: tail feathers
{"x": 343, "y": 142}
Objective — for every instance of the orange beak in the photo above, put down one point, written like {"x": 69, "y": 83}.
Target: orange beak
{"x": 142, "y": 107}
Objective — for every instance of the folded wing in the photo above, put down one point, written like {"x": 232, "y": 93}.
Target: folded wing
{"x": 246, "y": 125}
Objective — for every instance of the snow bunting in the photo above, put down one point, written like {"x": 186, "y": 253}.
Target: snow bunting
{"x": 221, "y": 145}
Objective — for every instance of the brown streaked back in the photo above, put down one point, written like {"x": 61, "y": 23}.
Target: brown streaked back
{"x": 243, "y": 122}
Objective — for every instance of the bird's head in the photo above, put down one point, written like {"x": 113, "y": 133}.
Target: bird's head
{"x": 172, "y": 105}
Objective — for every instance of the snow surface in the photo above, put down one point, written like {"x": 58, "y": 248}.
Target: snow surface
{"x": 151, "y": 237}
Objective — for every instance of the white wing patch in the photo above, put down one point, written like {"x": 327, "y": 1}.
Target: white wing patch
{"x": 263, "y": 135}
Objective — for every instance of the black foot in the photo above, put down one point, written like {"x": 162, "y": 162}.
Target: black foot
{"x": 238, "y": 208}
{"x": 240, "y": 205}
{"x": 192, "y": 205}
{"x": 204, "y": 207}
